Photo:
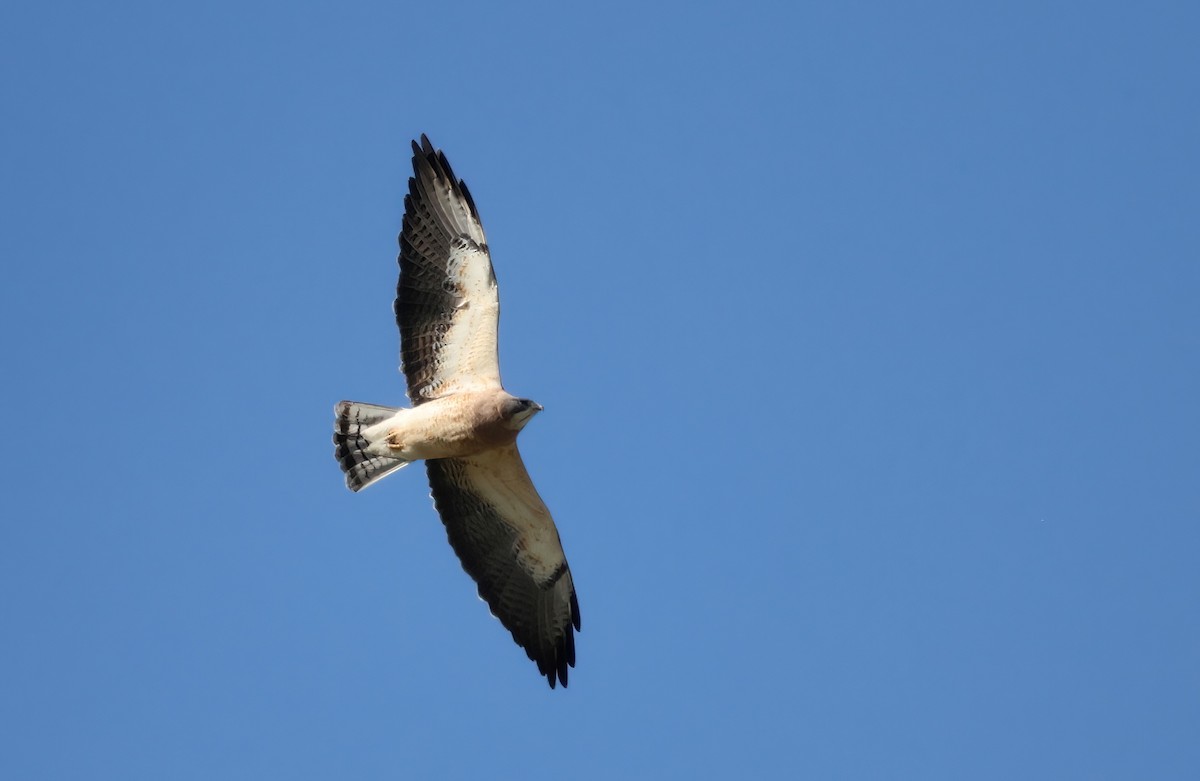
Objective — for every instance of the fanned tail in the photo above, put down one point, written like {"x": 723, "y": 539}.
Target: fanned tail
{"x": 351, "y": 446}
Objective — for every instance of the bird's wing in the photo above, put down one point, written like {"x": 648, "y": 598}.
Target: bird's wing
{"x": 507, "y": 541}
{"x": 447, "y": 305}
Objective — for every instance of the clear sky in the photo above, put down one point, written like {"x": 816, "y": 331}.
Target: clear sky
{"x": 868, "y": 336}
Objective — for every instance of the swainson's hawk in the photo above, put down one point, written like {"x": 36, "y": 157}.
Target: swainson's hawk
{"x": 463, "y": 423}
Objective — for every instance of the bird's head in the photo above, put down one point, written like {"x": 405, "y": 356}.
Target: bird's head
{"x": 518, "y": 412}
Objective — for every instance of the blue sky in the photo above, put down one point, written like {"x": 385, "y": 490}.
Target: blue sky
{"x": 867, "y": 333}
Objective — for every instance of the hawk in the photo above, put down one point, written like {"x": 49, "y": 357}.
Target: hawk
{"x": 462, "y": 422}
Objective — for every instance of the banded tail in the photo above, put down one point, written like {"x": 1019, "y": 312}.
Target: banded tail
{"x": 351, "y": 446}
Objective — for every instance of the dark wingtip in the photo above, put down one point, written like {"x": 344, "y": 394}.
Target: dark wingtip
{"x": 558, "y": 673}
{"x": 562, "y": 670}
{"x": 435, "y": 159}
{"x": 562, "y": 658}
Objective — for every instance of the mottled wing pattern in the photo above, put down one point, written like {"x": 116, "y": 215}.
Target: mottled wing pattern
{"x": 507, "y": 541}
{"x": 447, "y": 305}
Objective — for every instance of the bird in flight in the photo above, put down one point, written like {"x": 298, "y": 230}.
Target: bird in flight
{"x": 462, "y": 422}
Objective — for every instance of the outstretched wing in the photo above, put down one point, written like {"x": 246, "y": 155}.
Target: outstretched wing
{"x": 507, "y": 541}
{"x": 447, "y": 305}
